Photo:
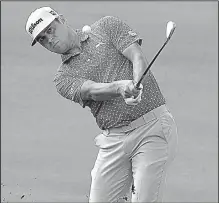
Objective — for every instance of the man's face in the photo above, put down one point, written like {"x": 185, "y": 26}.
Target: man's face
{"x": 55, "y": 37}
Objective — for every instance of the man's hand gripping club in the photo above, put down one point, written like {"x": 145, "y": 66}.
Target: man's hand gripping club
{"x": 129, "y": 92}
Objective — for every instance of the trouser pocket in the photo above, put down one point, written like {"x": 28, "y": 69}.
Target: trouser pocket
{"x": 109, "y": 142}
{"x": 169, "y": 131}
{"x": 167, "y": 124}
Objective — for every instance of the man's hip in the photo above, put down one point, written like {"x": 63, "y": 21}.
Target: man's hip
{"x": 144, "y": 119}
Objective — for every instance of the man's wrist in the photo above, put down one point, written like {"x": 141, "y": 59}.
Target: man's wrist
{"x": 134, "y": 82}
{"x": 118, "y": 87}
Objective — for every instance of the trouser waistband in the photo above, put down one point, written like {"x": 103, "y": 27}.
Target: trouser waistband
{"x": 144, "y": 119}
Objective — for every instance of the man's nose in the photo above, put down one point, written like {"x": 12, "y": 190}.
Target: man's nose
{"x": 50, "y": 40}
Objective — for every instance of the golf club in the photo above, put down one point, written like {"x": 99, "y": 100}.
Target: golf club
{"x": 169, "y": 32}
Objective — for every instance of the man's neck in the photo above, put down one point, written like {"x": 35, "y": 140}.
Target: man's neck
{"x": 75, "y": 50}
{"x": 76, "y": 45}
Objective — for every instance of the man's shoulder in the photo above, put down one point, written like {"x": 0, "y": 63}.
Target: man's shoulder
{"x": 106, "y": 20}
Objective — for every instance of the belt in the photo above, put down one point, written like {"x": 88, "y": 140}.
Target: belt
{"x": 144, "y": 119}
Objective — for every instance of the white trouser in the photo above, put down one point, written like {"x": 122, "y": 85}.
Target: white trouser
{"x": 132, "y": 165}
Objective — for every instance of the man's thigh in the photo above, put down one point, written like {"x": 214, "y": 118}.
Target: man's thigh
{"x": 112, "y": 174}
{"x": 151, "y": 160}
{"x": 149, "y": 171}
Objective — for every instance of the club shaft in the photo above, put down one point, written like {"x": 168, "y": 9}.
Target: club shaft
{"x": 139, "y": 82}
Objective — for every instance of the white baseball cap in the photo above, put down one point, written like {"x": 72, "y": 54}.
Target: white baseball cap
{"x": 39, "y": 20}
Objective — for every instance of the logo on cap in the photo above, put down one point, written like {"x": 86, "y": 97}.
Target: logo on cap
{"x": 33, "y": 25}
{"x": 53, "y": 12}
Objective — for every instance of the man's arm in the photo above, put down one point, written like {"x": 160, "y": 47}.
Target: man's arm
{"x": 135, "y": 54}
{"x": 80, "y": 89}
{"x": 91, "y": 90}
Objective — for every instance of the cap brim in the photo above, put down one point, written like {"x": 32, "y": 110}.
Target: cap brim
{"x": 33, "y": 42}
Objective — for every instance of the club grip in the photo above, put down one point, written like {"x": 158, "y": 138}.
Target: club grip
{"x": 139, "y": 82}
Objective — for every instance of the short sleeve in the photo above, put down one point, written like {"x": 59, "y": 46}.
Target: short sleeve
{"x": 75, "y": 90}
{"x": 69, "y": 86}
{"x": 120, "y": 34}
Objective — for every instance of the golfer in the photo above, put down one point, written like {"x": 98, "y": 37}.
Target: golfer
{"x": 100, "y": 68}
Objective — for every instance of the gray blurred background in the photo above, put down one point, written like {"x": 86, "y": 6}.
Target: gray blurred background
{"x": 47, "y": 147}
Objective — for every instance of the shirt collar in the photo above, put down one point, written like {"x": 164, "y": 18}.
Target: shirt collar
{"x": 83, "y": 37}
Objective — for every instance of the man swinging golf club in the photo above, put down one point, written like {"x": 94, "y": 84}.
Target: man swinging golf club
{"x": 101, "y": 67}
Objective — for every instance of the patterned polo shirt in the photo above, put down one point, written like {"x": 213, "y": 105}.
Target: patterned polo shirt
{"x": 102, "y": 61}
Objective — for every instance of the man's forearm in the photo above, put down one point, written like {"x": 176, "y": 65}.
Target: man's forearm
{"x": 139, "y": 66}
{"x": 100, "y": 91}
{"x": 135, "y": 54}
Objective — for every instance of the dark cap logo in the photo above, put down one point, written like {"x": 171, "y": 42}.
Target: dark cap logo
{"x": 53, "y": 12}
{"x": 33, "y": 25}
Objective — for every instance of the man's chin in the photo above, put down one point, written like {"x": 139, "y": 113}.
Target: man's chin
{"x": 60, "y": 51}
{"x": 63, "y": 51}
